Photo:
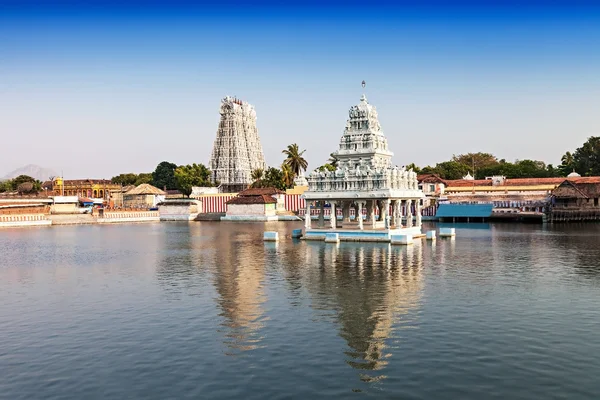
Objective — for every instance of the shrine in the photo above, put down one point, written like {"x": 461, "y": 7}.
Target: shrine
{"x": 385, "y": 198}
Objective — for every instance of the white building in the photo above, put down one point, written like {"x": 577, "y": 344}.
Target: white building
{"x": 365, "y": 179}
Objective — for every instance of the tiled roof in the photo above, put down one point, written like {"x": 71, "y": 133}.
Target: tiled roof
{"x": 260, "y": 199}
{"x": 522, "y": 181}
{"x": 260, "y": 191}
{"x": 430, "y": 178}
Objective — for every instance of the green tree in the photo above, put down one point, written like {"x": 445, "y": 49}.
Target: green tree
{"x": 567, "y": 164}
{"x": 326, "y": 167}
{"x": 294, "y": 159}
{"x": 22, "y": 179}
{"x": 124, "y": 179}
{"x": 257, "y": 174}
{"x": 273, "y": 177}
{"x": 187, "y": 176}
{"x": 143, "y": 178}
{"x": 476, "y": 160}
{"x": 586, "y": 159}
{"x": 164, "y": 176}
{"x": 287, "y": 176}
{"x": 414, "y": 167}
{"x": 5, "y": 186}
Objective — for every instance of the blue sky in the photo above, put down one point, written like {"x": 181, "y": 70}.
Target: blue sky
{"x": 106, "y": 88}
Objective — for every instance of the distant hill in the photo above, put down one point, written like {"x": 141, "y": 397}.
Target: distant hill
{"x": 34, "y": 171}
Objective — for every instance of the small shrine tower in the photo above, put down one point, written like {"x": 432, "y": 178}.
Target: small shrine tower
{"x": 365, "y": 179}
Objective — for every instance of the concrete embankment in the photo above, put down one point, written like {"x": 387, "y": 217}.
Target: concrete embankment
{"x": 108, "y": 218}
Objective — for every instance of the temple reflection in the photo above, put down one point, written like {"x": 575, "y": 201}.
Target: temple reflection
{"x": 239, "y": 281}
{"x": 374, "y": 289}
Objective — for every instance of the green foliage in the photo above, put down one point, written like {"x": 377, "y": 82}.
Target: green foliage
{"x": 447, "y": 170}
{"x": 257, "y": 174}
{"x": 488, "y": 165}
{"x": 287, "y": 176}
{"x": 477, "y": 161}
{"x": 273, "y": 177}
{"x": 164, "y": 176}
{"x": 23, "y": 184}
{"x": 294, "y": 159}
{"x": 187, "y": 176}
{"x": 414, "y": 167}
{"x": 143, "y": 178}
{"x": 567, "y": 164}
{"x": 125, "y": 179}
{"x": 586, "y": 159}
{"x": 326, "y": 167}
{"x": 5, "y": 186}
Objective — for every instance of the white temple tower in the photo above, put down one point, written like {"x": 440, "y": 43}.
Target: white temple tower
{"x": 237, "y": 150}
{"x": 367, "y": 181}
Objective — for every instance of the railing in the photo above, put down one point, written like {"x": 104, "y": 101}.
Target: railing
{"x": 23, "y": 218}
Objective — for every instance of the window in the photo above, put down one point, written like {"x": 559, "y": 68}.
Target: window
{"x": 596, "y": 202}
{"x": 432, "y": 188}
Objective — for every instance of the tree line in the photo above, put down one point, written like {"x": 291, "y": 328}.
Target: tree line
{"x": 170, "y": 176}
{"x": 23, "y": 184}
{"x": 585, "y": 161}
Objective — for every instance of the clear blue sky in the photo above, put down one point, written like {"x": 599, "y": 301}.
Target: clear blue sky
{"x": 101, "y": 89}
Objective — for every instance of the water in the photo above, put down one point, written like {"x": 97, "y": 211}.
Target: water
{"x": 207, "y": 310}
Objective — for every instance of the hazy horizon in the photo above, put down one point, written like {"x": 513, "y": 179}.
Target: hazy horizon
{"x": 95, "y": 91}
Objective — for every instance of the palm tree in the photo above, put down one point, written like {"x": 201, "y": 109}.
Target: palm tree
{"x": 567, "y": 163}
{"x": 288, "y": 175}
{"x": 294, "y": 159}
{"x": 257, "y": 174}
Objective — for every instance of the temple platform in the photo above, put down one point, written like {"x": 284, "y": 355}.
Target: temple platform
{"x": 358, "y": 235}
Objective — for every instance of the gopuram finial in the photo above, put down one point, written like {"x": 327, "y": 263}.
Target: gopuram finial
{"x": 363, "y": 98}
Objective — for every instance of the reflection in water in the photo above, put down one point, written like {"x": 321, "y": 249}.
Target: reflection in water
{"x": 372, "y": 288}
{"x": 239, "y": 280}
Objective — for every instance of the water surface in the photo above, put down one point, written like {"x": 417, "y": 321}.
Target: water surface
{"x": 208, "y": 310}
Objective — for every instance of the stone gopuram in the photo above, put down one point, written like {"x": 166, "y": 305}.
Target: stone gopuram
{"x": 365, "y": 180}
{"x": 237, "y": 150}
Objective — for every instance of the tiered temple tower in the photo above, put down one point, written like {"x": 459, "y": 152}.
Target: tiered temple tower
{"x": 237, "y": 150}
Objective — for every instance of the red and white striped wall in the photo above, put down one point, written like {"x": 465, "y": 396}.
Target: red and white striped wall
{"x": 293, "y": 202}
{"x": 215, "y": 204}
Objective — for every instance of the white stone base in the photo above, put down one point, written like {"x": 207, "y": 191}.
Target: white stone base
{"x": 271, "y": 236}
{"x": 447, "y": 232}
{"x": 405, "y": 239}
{"x": 355, "y": 235}
{"x": 178, "y": 217}
{"x": 127, "y": 220}
{"x": 258, "y": 218}
{"x": 331, "y": 237}
{"x": 22, "y": 224}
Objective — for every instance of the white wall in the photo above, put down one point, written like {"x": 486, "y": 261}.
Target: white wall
{"x": 245, "y": 209}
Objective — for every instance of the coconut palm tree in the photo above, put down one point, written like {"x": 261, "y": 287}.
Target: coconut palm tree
{"x": 257, "y": 174}
{"x": 288, "y": 175}
{"x": 294, "y": 159}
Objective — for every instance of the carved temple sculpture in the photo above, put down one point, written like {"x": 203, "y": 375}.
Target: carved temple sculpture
{"x": 237, "y": 150}
{"x": 365, "y": 180}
